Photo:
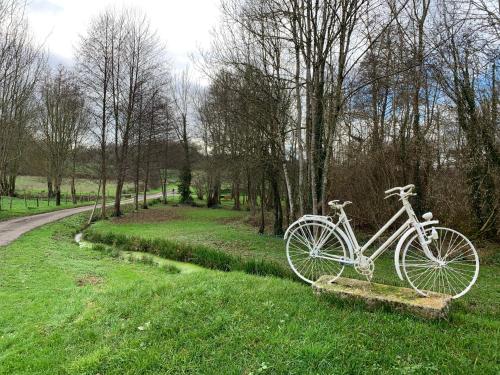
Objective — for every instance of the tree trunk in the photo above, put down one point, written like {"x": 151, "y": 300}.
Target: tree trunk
{"x": 185, "y": 175}
{"x": 103, "y": 169}
{"x": 236, "y": 195}
{"x": 137, "y": 170}
{"x": 278, "y": 210}
{"x": 291, "y": 208}
{"x": 262, "y": 226}
{"x": 58, "y": 190}
{"x": 73, "y": 190}
{"x": 50, "y": 188}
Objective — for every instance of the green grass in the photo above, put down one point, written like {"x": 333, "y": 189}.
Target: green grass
{"x": 221, "y": 230}
{"x": 173, "y": 231}
{"x": 38, "y": 184}
{"x": 19, "y": 208}
{"x": 35, "y": 185}
{"x": 225, "y": 230}
{"x": 196, "y": 254}
{"x": 66, "y": 309}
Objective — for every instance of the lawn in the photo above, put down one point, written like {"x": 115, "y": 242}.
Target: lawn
{"x": 224, "y": 229}
{"x": 36, "y": 184}
{"x": 71, "y": 310}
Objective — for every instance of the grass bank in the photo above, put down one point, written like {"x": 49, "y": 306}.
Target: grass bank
{"x": 230, "y": 232}
{"x": 71, "y": 310}
{"x": 227, "y": 240}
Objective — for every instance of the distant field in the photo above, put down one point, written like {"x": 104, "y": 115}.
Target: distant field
{"x": 21, "y": 208}
{"x": 37, "y": 184}
{"x": 33, "y": 185}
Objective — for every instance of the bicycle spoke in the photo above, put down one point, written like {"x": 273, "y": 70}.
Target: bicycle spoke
{"x": 456, "y": 270}
{"x": 306, "y": 247}
{"x": 302, "y": 240}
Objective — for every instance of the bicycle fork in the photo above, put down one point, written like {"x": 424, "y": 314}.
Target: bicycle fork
{"x": 424, "y": 240}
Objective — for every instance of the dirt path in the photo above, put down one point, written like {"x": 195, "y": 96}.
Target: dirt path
{"x": 12, "y": 229}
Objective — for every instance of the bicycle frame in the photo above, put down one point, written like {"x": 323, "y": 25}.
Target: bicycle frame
{"x": 380, "y": 250}
{"x": 412, "y": 221}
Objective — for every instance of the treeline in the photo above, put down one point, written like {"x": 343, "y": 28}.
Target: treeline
{"x": 308, "y": 101}
{"x": 118, "y": 113}
{"x": 311, "y": 101}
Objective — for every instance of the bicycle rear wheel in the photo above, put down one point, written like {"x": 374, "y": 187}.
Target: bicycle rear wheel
{"x": 453, "y": 272}
{"x": 309, "y": 249}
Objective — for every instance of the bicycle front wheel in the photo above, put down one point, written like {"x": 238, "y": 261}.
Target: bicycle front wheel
{"x": 454, "y": 269}
{"x": 314, "y": 249}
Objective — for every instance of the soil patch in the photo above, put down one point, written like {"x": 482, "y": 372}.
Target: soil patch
{"x": 89, "y": 280}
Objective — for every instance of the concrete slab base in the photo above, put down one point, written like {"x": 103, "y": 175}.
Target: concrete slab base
{"x": 373, "y": 295}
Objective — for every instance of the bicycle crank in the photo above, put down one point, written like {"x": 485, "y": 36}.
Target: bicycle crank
{"x": 365, "y": 266}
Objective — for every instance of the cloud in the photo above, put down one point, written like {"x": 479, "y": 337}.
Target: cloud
{"x": 183, "y": 26}
{"x": 54, "y": 60}
{"x": 42, "y": 6}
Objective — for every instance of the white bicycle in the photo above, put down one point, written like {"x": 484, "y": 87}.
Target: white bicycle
{"x": 434, "y": 259}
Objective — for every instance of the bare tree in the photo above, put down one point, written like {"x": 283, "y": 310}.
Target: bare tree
{"x": 459, "y": 55}
{"x": 20, "y": 65}
{"x": 94, "y": 66}
{"x": 134, "y": 60}
{"x": 61, "y": 123}
{"x": 117, "y": 56}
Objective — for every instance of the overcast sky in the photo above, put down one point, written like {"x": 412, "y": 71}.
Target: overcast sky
{"x": 184, "y": 25}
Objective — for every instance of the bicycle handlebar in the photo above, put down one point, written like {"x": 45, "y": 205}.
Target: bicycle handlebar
{"x": 401, "y": 189}
{"x": 335, "y": 204}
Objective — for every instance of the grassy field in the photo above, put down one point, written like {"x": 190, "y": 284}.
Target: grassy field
{"x": 229, "y": 231}
{"x": 34, "y": 185}
{"x": 38, "y": 184}
{"x": 71, "y": 310}
{"x": 83, "y": 186}
{"x": 19, "y": 208}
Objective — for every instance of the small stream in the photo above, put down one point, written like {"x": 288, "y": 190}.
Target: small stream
{"x": 132, "y": 256}
{"x": 80, "y": 241}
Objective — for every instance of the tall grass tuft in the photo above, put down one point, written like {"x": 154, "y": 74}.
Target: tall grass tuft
{"x": 197, "y": 254}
